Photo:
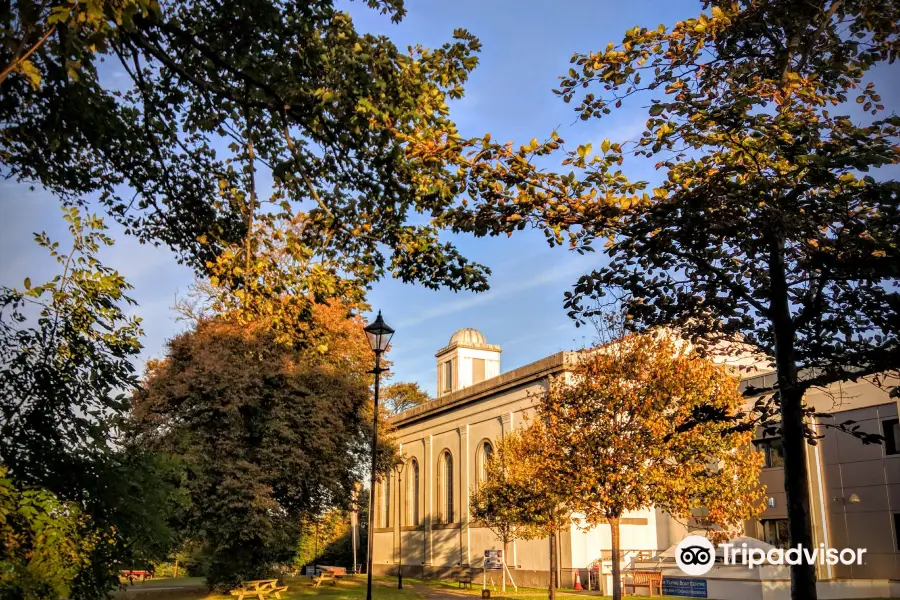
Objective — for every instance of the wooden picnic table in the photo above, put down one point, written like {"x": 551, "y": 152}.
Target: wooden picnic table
{"x": 132, "y": 574}
{"x": 325, "y": 575}
{"x": 260, "y": 589}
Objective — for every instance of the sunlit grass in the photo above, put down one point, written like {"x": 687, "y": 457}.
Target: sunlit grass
{"x": 350, "y": 588}
{"x": 193, "y": 588}
{"x": 167, "y": 582}
{"x": 523, "y": 593}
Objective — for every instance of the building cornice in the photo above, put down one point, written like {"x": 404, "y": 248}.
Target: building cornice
{"x": 455, "y": 345}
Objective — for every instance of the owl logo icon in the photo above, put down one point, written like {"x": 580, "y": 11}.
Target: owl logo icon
{"x": 695, "y": 555}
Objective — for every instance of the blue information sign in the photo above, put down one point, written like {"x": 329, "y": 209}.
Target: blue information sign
{"x": 686, "y": 587}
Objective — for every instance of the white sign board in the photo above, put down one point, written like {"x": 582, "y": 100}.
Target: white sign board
{"x": 493, "y": 560}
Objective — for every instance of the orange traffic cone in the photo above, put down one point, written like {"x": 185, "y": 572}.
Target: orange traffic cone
{"x": 578, "y": 580}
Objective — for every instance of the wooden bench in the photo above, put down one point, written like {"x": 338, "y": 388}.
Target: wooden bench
{"x": 260, "y": 588}
{"x": 652, "y": 580}
{"x": 325, "y": 575}
{"x": 464, "y": 578}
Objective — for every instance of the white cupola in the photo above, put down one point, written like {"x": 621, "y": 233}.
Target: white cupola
{"x": 468, "y": 359}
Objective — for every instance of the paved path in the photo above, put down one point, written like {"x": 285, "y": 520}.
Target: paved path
{"x": 428, "y": 592}
{"x": 431, "y": 593}
{"x": 185, "y": 586}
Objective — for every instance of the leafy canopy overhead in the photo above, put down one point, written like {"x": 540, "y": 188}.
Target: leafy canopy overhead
{"x": 764, "y": 123}
{"x": 766, "y": 215}
{"x": 341, "y": 119}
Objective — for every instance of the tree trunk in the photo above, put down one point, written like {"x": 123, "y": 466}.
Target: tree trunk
{"x": 503, "y": 569}
{"x": 558, "y": 552}
{"x": 616, "y": 572}
{"x": 796, "y": 474}
{"x": 796, "y": 488}
{"x": 553, "y": 558}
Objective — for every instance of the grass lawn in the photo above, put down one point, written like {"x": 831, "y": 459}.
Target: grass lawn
{"x": 168, "y": 582}
{"x": 192, "y": 588}
{"x": 523, "y": 593}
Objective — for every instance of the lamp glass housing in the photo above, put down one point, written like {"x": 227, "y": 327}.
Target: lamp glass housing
{"x": 379, "y": 334}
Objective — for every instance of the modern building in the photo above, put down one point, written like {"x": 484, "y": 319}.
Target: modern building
{"x": 425, "y": 508}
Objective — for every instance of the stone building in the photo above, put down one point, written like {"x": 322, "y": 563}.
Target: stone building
{"x": 425, "y": 508}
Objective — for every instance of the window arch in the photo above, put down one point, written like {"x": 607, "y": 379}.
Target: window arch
{"x": 445, "y": 487}
{"x": 483, "y": 456}
{"x": 412, "y": 483}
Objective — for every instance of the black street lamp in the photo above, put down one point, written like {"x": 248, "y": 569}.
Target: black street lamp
{"x": 399, "y": 468}
{"x": 379, "y": 334}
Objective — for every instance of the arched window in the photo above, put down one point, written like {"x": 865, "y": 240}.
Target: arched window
{"x": 412, "y": 482}
{"x": 482, "y": 457}
{"x": 386, "y": 503}
{"x": 445, "y": 488}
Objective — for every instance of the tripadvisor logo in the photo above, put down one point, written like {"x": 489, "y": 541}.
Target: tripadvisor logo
{"x": 695, "y": 555}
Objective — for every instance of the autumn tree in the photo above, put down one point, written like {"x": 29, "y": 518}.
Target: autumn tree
{"x": 625, "y": 433}
{"x": 29, "y": 25}
{"x": 497, "y": 502}
{"x": 212, "y": 94}
{"x": 269, "y": 432}
{"x": 402, "y": 396}
{"x": 773, "y": 223}
{"x": 542, "y": 507}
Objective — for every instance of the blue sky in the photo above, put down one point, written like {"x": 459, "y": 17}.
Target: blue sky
{"x": 526, "y": 46}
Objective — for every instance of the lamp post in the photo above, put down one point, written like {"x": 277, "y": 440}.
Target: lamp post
{"x": 316, "y": 554}
{"x": 379, "y": 334}
{"x": 400, "y": 524}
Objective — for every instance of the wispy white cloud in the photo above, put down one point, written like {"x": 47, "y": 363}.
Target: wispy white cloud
{"x": 503, "y": 290}
{"x": 536, "y": 335}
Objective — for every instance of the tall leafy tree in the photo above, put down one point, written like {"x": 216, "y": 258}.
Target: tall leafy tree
{"x": 65, "y": 360}
{"x": 269, "y": 432}
{"x": 290, "y": 86}
{"x": 627, "y": 433}
{"x": 774, "y": 225}
{"x": 66, "y": 348}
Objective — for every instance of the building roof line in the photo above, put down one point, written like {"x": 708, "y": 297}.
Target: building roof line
{"x": 560, "y": 361}
{"x": 470, "y": 345}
